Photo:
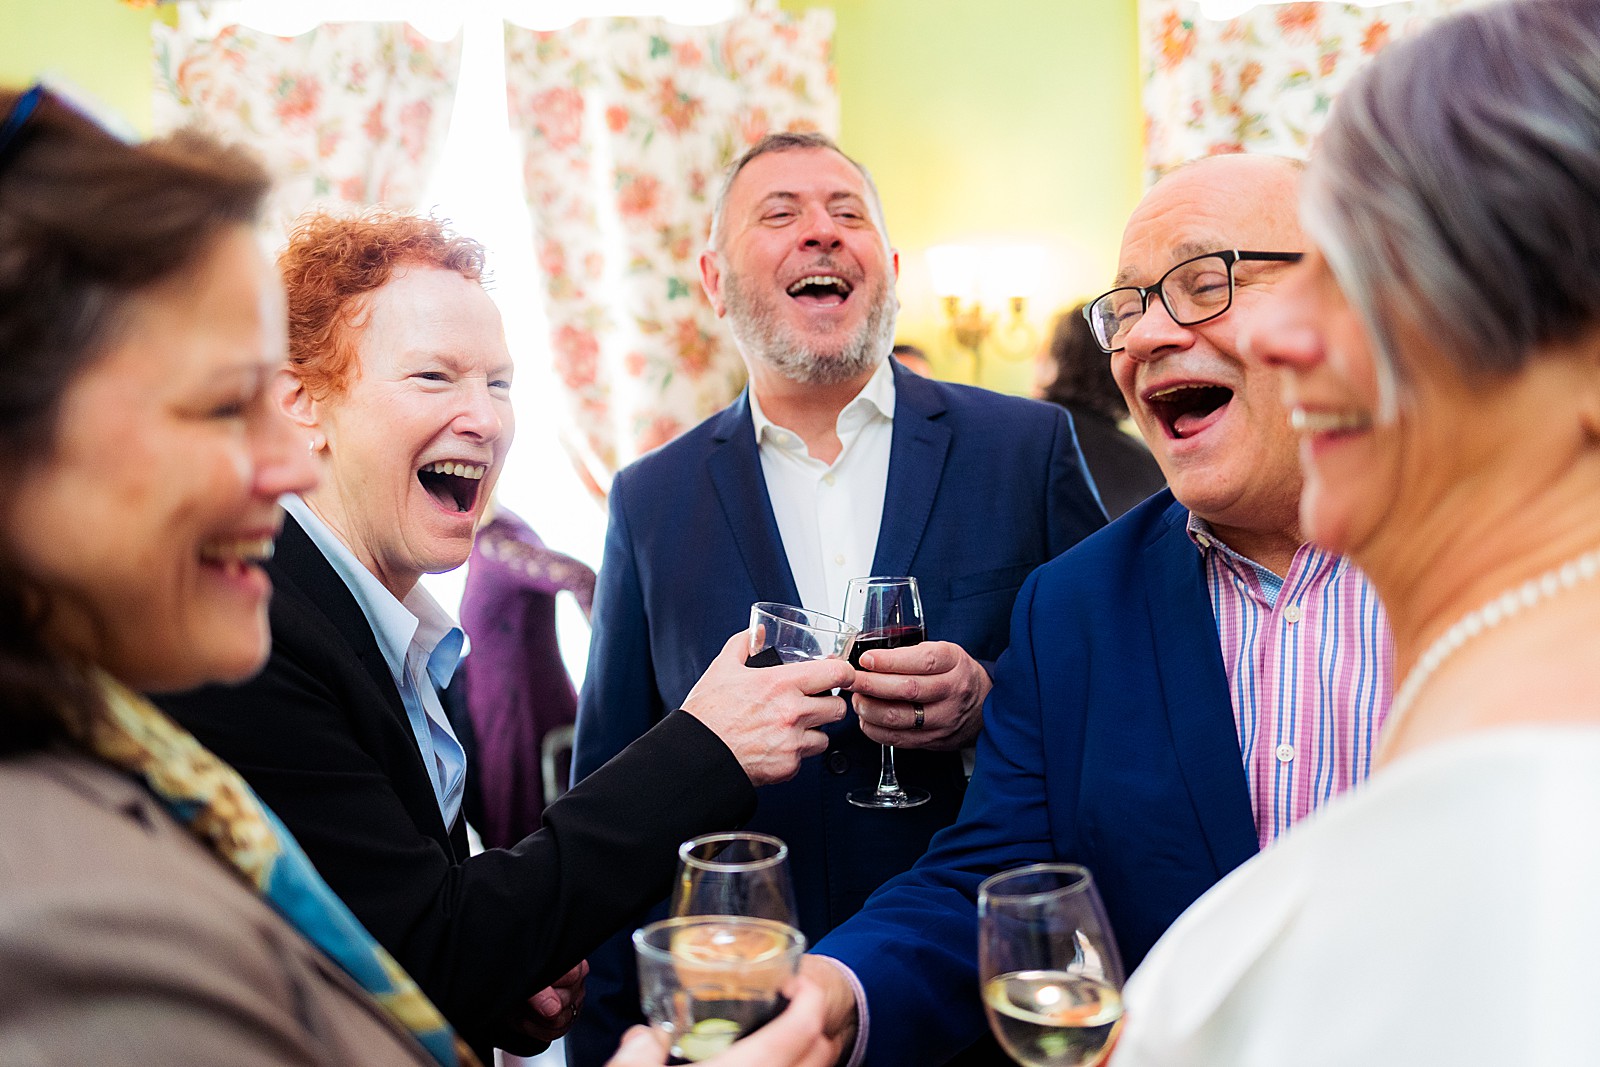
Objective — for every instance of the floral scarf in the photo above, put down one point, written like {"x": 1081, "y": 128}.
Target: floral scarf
{"x": 207, "y": 796}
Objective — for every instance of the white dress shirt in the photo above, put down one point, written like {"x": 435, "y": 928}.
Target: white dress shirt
{"x": 828, "y": 514}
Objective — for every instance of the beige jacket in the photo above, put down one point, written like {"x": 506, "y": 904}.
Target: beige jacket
{"x": 123, "y": 941}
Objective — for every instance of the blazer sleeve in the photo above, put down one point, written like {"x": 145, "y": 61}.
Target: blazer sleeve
{"x": 914, "y": 945}
{"x": 619, "y": 701}
{"x": 480, "y": 935}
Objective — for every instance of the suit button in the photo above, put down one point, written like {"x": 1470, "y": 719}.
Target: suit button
{"x": 838, "y": 762}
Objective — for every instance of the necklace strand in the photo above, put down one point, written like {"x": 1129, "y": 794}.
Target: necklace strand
{"x": 1507, "y": 605}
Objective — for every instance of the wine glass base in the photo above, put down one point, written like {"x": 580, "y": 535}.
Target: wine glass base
{"x": 872, "y": 798}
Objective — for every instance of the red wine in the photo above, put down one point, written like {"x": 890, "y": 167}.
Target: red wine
{"x": 888, "y": 637}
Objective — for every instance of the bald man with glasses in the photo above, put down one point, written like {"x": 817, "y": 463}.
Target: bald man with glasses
{"x": 1180, "y": 687}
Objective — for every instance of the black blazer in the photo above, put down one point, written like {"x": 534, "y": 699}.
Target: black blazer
{"x": 322, "y": 736}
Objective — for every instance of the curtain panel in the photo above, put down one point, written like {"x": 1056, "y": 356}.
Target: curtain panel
{"x": 347, "y": 115}
{"x": 1261, "y": 82}
{"x": 625, "y": 126}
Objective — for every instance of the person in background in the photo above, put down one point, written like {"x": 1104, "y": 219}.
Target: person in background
{"x": 1075, "y": 373}
{"x": 913, "y": 359}
{"x": 400, "y": 378}
{"x": 1441, "y": 350}
{"x": 835, "y": 463}
{"x": 153, "y": 912}
{"x": 516, "y": 687}
{"x": 1182, "y": 686}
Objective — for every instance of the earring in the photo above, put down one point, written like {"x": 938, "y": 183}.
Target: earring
{"x": 316, "y": 443}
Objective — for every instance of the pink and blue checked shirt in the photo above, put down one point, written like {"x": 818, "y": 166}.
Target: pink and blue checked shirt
{"x": 1310, "y": 669}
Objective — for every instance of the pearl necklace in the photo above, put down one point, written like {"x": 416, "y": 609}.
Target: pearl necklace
{"x": 1507, "y": 605}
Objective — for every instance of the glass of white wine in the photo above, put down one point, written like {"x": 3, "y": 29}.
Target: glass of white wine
{"x": 738, "y": 872}
{"x": 1051, "y": 974}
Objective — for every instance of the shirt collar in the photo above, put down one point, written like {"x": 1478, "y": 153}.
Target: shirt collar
{"x": 876, "y": 398}
{"x": 395, "y": 624}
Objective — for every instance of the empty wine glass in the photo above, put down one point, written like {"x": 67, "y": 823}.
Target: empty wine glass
{"x": 783, "y": 633}
{"x": 735, "y": 873}
{"x": 1051, "y": 973}
{"x": 888, "y": 614}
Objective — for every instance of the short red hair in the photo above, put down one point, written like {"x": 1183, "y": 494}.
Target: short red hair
{"x": 332, "y": 262}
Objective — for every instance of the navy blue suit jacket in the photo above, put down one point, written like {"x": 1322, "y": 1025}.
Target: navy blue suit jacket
{"x": 982, "y": 488}
{"x": 1109, "y": 740}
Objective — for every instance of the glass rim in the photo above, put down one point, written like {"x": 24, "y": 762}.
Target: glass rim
{"x": 779, "y": 856}
{"x": 788, "y": 612}
{"x": 1084, "y": 881}
{"x": 641, "y": 943}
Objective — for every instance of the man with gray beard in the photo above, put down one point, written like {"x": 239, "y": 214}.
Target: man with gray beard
{"x": 834, "y": 463}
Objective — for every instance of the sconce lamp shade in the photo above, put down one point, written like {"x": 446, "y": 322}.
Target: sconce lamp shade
{"x": 989, "y": 274}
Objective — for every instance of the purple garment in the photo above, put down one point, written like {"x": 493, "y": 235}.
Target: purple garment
{"x": 517, "y": 688}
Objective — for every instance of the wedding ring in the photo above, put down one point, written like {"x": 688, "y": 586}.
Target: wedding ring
{"x": 917, "y": 723}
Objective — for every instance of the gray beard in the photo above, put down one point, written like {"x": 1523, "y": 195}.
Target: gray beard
{"x": 761, "y": 336}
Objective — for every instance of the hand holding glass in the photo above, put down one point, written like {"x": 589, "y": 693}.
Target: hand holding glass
{"x": 782, "y": 633}
{"x": 888, "y": 612}
{"x": 1051, "y": 974}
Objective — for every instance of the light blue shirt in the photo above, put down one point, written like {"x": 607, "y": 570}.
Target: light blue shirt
{"x": 422, "y": 646}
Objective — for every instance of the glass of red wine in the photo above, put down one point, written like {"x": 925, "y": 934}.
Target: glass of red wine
{"x": 888, "y": 613}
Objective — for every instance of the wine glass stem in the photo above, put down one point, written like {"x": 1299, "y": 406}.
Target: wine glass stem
{"x": 888, "y": 782}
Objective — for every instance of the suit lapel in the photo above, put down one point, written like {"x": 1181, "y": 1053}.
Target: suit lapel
{"x": 1195, "y": 686}
{"x": 299, "y": 565}
{"x": 920, "y": 441}
{"x": 735, "y": 468}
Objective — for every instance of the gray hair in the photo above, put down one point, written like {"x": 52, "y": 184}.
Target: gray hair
{"x": 1457, "y": 187}
{"x": 789, "y": 141}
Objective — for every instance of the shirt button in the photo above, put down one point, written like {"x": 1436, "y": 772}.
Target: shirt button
{"x": 1284, "y": 752}
{"x": 839, "y": 559}
{"x": 837, "y": 762}
{"x": 1291, "y": 613}
{"x": 828, "y": 479}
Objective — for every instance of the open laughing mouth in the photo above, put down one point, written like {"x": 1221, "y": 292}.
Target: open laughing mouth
{"x": 820, "y": 290}
{"x": 454, "y": 485}
{"x": 1185, "y": 410}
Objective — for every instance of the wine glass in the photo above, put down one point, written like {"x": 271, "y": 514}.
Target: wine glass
{"x": 735, "y": 873}
{"x": 783, "y": 633}
{"x": 888, "y": 613}
{"x": 1051, "y": 974}
{"x": 708, "y": 980}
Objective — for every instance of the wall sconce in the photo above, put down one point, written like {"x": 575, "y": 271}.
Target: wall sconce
{"x": 975, "y": 282}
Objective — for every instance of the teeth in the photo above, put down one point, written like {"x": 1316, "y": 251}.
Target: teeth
{"x": 1174, "y": 390}
{"x": 475, "y": 471}
{"x": 243, "y": 550}
{"x": 819, "y": 279}
{"x": 1303, "y": 421}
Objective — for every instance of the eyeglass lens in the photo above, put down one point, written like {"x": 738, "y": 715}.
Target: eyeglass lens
{"x": 1192, "y": 292}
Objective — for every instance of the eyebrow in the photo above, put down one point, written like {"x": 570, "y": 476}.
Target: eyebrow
{"x": 785, "y": 197}
{"x": 1183, "y": 251}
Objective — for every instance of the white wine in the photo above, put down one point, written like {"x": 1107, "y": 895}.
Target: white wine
{"x": 1053, "y": 1019}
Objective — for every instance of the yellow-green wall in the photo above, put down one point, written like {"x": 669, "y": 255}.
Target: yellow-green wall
{"x": 100, "y": 46}
{"x": 1009, "y": 120}
{"x": 1001, "y": 120}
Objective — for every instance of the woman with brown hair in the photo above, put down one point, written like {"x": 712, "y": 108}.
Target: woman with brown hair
{"x": 152, "y": 911}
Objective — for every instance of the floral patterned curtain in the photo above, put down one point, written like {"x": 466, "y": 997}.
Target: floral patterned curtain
{"x": 347, "y": 115}
{"x": 626, "y": 125}
{"x": 1261, "y": 82}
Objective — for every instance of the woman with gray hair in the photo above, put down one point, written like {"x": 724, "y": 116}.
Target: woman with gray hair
{"x": 1441, "y": 347}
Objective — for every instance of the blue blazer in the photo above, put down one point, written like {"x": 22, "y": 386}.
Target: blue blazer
{"x": 1109, "y": 740}
{"x": 982, "y": 488}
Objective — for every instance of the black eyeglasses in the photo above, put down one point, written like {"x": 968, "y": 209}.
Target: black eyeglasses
{"x": 1195, "y": 291}
{"x": 18, "y": 117}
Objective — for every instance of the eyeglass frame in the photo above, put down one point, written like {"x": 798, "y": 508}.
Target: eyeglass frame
{"x": 1229, "y": 256}
{"x": 22, "y": 110}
